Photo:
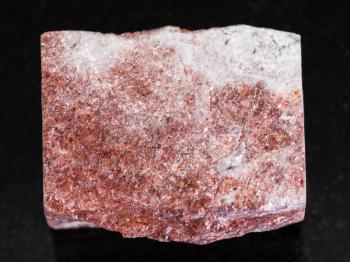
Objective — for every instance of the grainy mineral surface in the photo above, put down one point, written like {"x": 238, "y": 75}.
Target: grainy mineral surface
{"x": 171, "y": 134}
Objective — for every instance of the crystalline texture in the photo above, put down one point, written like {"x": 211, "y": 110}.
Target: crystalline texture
{"x": 171, "y": 134}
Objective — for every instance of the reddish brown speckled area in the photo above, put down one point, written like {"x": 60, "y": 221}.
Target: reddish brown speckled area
{"x": 136, "y": 151}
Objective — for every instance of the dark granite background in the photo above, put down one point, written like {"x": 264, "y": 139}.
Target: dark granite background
{"x": 324, "y": 27}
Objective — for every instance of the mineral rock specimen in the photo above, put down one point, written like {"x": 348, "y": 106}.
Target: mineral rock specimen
{"x": 171, "y": 134}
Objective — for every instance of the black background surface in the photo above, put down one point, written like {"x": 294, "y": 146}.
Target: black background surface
{"x": 324, "y": 27}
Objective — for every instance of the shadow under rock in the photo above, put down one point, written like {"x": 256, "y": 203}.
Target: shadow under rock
{"x": 285, "y": 244}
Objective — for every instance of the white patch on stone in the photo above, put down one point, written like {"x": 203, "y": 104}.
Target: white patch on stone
{"x": 90, "y": 52}
{"x": 221, "y": 55}
{"x": 229, "y": 197}
{"x": 229, "y": 166}
{"x": 74, "y": 224}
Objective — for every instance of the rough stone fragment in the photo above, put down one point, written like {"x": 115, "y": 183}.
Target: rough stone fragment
{"x": 171, "y": 134}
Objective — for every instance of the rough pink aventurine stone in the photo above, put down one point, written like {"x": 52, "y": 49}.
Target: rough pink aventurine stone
{"x": 171, "y": 134}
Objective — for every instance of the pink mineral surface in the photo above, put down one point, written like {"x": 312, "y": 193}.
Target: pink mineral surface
{"x": 174, "y": 135}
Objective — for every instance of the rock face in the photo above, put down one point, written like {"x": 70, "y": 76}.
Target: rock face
{"x": 173, "y": 135}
